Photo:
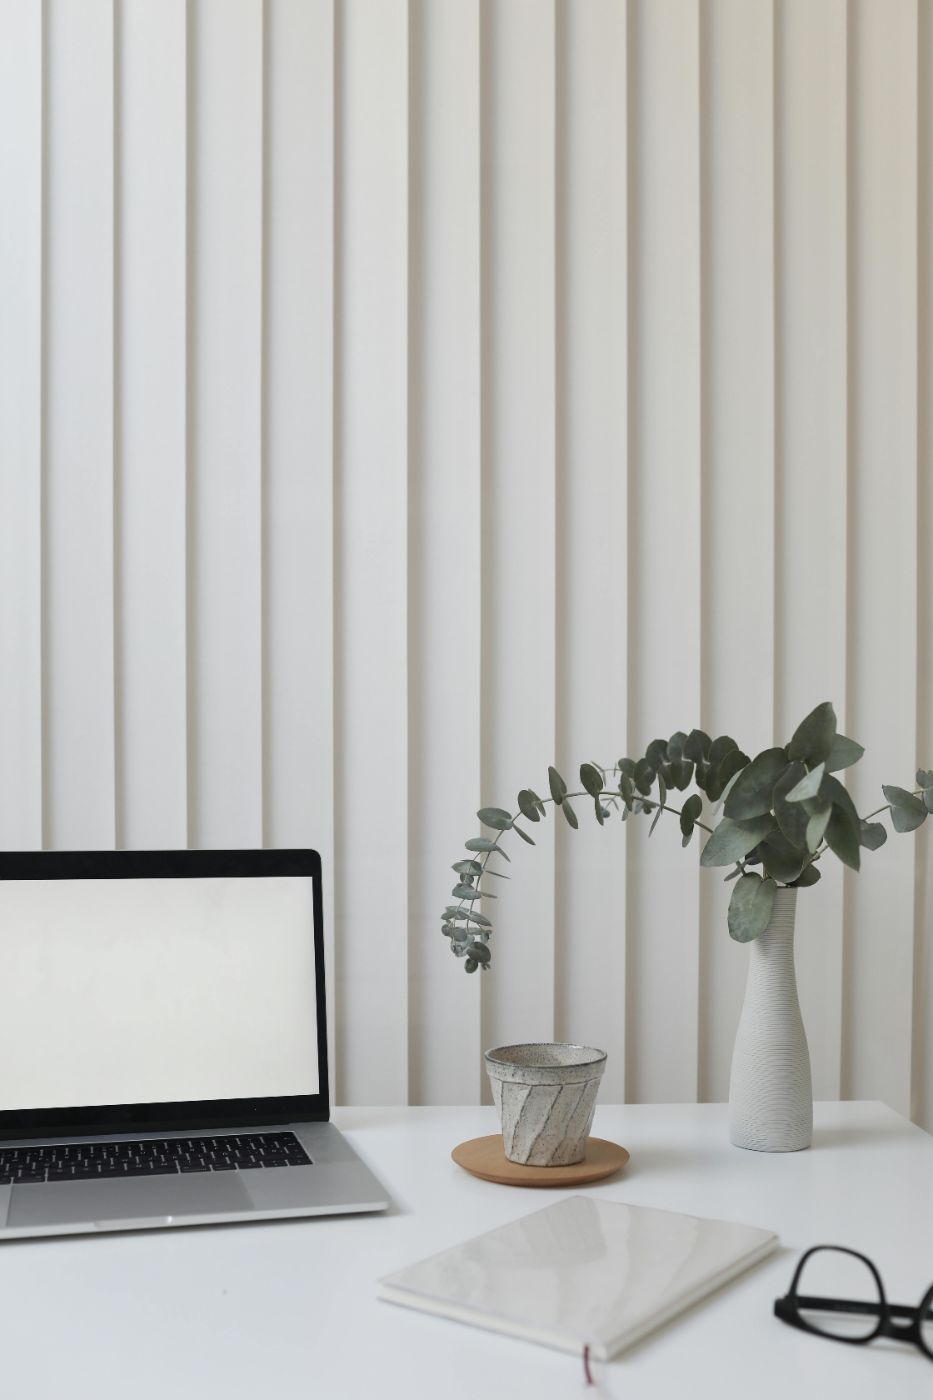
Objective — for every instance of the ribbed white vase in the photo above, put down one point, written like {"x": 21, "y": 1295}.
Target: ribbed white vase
{"x": 770, "y": 1092}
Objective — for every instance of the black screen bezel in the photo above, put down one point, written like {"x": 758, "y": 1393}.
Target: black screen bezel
{"x": 96, "y": 1119}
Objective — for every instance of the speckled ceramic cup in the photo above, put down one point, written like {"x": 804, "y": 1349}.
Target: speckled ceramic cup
{"x": 546, "y": 1096}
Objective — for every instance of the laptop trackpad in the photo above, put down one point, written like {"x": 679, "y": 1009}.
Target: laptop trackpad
{"x": 83, "y": 1202}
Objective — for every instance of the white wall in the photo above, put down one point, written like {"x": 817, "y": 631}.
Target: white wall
{"x": 399, "y": 395}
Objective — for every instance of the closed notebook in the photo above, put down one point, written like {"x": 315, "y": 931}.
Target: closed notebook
{"x": 583, "y": 1272}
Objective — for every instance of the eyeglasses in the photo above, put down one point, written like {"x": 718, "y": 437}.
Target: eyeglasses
{"x": 838, "y": 1293}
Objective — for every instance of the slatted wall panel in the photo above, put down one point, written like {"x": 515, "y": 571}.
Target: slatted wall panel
{"x": 371, "y": 539}
{"x": 78, "y": 508}
{"x": 22, "y": 169}
{"x": 225, "y": 423}
{"x": 151, "y": 365}
{"x": 518, "y": 494}
{"x": 444, "y": 523}
{"x": 882, "y": 620}
{"x": 592, "y": 512}
{"x": 737, "y": 259}
{"x": 664, "y": 534}
{"x": 398, "y": 397}
{"x": 812, "y": 443}
{"x": 298, "y": 439}
{"x": 922, "y": 1106}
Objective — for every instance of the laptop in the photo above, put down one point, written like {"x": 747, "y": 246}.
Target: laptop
{"x": 163, "y": 1047}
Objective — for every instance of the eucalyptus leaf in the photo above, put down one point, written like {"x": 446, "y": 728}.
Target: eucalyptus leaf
{"x": 750, "y": 907}
{"x": 872, "y": 835}
{"x": 752, "y": 794}
{"x": 644, "y": 776}
{"x": 496, "y": 817}
{"x": 626, "y": 766}
{"x": 688, "y": 815}
{"x": 697, "y": 746}
{"x": 808, "y": 876}
{"x": 732, "y": 840}
{"x": 928, "y": 799}
{"x": 782, "y": 859}
{"x": 725, "y": 770}
{"x": 467, "y": 867}
{"x": 524, "y": 835}
{"x": 657, "y": 817}
{"x": 813, "y": 737}
{"x": 808, "y": 786}
{"x": 924, "y": 778}
{"x": 907, "y": 811}
{"x": 656, "y": 753}
{"x": 591, "y": 778}
{"x": 570, "y": 814}
{"x": 791, "y": 817}
{"x": 727, "y": 789}
{"x": 480, "y": 952}
{"x": 471, "y": 965}
{"x": 842, "y": 836}
{"x": 557, "y": 785}
{"x": 843, "y": 753}
{"x": 719, "y": 748}
{"x": 483, "y": 843}
{"x": 465, "y": 892}
{"x": 832, "y": 789}
{"x": 528, "y": 806}
{"x": 601, "y": 812}
{"x": 675, "y": 745}
{"x": 816, "y": 826}
{"x": 626, "y": 788}
{"x": 733, "y": 874}
{"x": 682, "y": 773}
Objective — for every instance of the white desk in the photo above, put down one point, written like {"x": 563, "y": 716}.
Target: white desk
{"x": 288, "y": 1310}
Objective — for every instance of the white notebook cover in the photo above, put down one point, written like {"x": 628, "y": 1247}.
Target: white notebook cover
{"x": 581, "y": 1272}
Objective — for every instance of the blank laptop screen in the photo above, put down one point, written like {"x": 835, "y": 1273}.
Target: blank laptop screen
{"x": 121, "y": 991}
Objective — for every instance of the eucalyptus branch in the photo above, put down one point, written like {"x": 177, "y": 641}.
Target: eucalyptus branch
{"x": 782, "y": 810}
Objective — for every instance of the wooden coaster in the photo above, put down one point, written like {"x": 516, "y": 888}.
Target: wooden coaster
{"x": 484, "y": 1157}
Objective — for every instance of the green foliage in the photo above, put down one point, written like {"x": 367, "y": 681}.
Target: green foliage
{"x": 782, "y": 810}
{"x": 750, "y": 907}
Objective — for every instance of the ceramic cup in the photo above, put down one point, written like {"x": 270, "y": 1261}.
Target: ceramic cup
{"x": 546, "y": 1096}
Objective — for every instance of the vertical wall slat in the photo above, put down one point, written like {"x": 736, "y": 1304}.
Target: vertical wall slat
{"x": 21, "y": 243}
{"x": 664, "y": 527}
{"x": 151, "y": 262}
{"x": 592, "y": 314}
{"x": 882, "y": 580}
{"x": 812, "y": 446}
{"x": 299, "y": 379}
{"x": 518, "y": 672}
{"x": 225, "y": 405}
{"x": 444, "y": 577}
{"x": 371, "y": 524}
{"x": 738, "y": 450}
{"x": 923, "y": 929}
{"x": 78, "y": 671}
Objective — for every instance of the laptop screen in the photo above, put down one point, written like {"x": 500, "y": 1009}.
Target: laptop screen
{"x": 156, "y": 990}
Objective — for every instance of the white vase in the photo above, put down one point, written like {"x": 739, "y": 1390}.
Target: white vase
{"x": 770, "y": 1092}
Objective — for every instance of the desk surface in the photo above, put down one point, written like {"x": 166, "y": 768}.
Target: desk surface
{"x": 289, "y": 1309}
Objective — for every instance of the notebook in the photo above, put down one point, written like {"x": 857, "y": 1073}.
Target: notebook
{"x": 583, "y": 1272}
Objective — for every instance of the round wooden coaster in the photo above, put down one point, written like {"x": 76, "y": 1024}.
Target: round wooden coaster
{"x": 484, "y": 1157}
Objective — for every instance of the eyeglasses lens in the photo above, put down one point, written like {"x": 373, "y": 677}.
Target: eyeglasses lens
{"x": 830, "y": 1275}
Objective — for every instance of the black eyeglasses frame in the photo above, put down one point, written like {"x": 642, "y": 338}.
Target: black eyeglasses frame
{"x": 788, "y": 1308}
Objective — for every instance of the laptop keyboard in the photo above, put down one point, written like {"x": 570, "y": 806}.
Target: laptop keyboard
{"x": 97, "y": 1161}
